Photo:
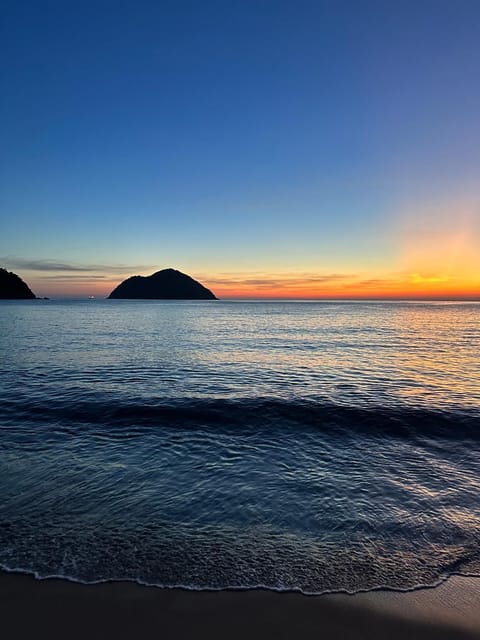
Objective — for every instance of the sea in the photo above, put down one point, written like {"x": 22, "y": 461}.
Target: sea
{"x": 309, "y": 446}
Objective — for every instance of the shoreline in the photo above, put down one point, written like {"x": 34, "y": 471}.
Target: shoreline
{"x": 55, "y": 608}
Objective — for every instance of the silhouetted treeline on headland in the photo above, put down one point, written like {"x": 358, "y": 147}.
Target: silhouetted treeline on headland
{"x": 12, "y": 287}
{"x": 168, "y": 284}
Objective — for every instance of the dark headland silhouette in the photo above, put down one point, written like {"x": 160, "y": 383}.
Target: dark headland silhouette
{"x": 12, "y": 287}
{"x": 168, "y": 284}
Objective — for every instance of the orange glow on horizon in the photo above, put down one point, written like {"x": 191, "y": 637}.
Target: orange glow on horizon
{"x": 439, "y": 247}
{"x": 400, "y": 290}
{"x": 413, "y": 286}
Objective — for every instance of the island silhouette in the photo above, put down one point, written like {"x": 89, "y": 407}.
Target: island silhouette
{"x": 167, "y": 284}
{"x": 12, "y": 287}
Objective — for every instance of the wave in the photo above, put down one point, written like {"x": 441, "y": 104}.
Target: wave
{"x": 242, "y": 415}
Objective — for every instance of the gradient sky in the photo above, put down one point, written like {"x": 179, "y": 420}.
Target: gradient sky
{"x": 268, "y": 148}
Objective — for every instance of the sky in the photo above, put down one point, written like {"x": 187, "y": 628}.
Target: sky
{"x": 304, "y": 149}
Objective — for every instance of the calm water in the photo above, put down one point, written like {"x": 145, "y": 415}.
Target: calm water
{"x": 311, "y": 446}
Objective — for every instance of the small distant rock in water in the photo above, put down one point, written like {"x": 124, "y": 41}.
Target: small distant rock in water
{"x": 12, "y": 287}
{"x": 168, "y": 284}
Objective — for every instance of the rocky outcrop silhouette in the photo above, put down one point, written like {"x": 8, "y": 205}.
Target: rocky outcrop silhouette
{"x": 168, "y": 284}
{"x": 12, "y": 287}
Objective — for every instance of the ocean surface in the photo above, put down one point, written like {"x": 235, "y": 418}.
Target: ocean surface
{"x": 309, "y": 446}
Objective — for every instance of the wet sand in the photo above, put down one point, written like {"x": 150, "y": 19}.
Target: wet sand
{"x": 59, "y": 609}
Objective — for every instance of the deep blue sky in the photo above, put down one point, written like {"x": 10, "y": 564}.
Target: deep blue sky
{"x": 236, "y": 137}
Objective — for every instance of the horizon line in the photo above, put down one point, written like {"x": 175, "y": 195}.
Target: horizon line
{"x": 277, "y": 299}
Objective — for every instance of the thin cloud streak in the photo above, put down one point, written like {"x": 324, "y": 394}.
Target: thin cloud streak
{"x": 48, "y": 265}
{"x": 278, "y": 284}
{"x": 275, "y": 279}
{"x": 72, "y": 278}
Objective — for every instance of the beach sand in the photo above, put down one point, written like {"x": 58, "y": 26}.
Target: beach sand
{"x": 32, "y": 608}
